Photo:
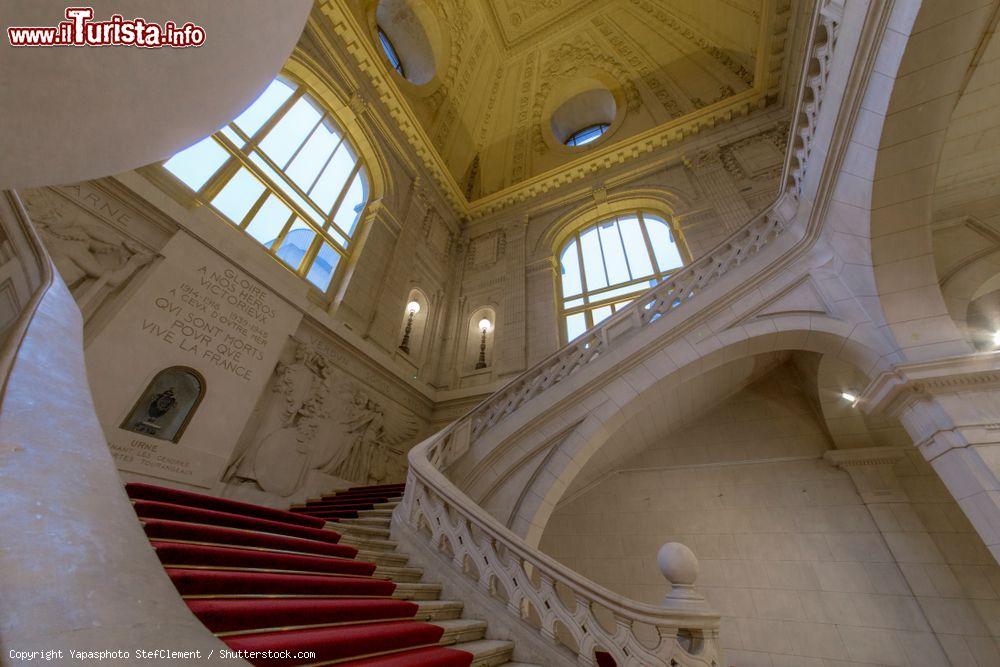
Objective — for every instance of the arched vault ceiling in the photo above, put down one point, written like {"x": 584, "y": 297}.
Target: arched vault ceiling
{"x": 675, "y": 66}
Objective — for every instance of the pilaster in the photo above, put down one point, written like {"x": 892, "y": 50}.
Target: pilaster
{"x": 951, "y": 409}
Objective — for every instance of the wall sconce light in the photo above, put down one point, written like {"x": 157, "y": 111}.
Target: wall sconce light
{"x": 850, "y": 397}
{"x": 996, "y": 338}
{"x": 485, "y": 325}
{"x": 412, "y": 308}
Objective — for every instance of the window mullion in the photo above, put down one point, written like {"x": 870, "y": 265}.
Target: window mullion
{"x": 281, "y": 237}
{"x": 621, "y": 239}
{"x": 219, "y": 179}
{"x": 325, "y": 165}
{"x": 310, "y": 256}
{"x": 583, "y": 269}
{"x": 276, "y": 188}
{"x": 266, "y": 128}
{"x": 604, "y": 263}
{"x": 340, "y": 199}
{"x": 245, "y": 222}
{"x": 305, "y": 141}
{"x": 649, "y": 245}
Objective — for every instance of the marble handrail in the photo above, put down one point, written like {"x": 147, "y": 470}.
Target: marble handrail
{"x": 504, "y": 566}
{"x": 70, "y": 534}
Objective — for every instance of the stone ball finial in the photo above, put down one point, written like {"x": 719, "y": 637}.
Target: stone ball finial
{"x": 680, "y": 567}
{"x": 678, "y": 563}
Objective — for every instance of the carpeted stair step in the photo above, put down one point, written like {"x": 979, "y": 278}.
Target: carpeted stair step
{"x": 326, "y": 516}
{"x": 363, "y": 542}
{"x": 174, "y": 554}
{"x": 374, "y": 521}
{"x": 359, "y": 504}
{"x": 438, "y": 610}
{"x": 240, "y": 615}
{"x": 400, "y": 574}
{"x": 164, "y": 529}
{"x": 339, "y": 643}
{"x": 158, "y": 510}
{"x": 138, "y": 491}
{"x": 488, "y": 652}
{"x": 388, "y": 558}
{"x": 461, "y": 630}
{"x": 399, "y": 486}
{"x": 215, "y": 582}
{"x": 337, "y": 501}
{"x": 323, "y": 578}
{"x": 426, "y": 657}
{"x": 360, "y": 529}
{"x": 417, "y": 591}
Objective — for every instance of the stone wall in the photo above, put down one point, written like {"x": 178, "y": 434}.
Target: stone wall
{"x": 803, "y": 572}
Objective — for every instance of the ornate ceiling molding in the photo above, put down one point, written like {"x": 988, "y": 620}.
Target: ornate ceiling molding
{"x": 355, "y": 39}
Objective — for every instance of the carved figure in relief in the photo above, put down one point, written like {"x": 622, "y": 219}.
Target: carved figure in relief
{"x": 373, "y": 438}
{"x": 88, "y": 255}
{"x": 278, "y": 462}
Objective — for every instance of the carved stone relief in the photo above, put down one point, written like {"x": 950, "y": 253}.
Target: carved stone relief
{"x": 486, "y": 250}
{"x": 92, "y": 258}
{"x": 318, "y": 427}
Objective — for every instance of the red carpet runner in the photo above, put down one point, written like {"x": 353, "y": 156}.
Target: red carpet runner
{"x": 263, "y": 579}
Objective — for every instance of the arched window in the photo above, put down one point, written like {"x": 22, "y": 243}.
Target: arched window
{"x": 390, "y": 52}
{"x": 605, "y": 266}
{"x": 285, "y": 173}
{"x": 587, "y": 134}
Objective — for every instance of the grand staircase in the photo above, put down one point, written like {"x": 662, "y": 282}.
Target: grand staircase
{"x": 323, "y": 578}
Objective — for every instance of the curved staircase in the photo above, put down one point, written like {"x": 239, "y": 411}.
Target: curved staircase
{"x": 322, "y": 578}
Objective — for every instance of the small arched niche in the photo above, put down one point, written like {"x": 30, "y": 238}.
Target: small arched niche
{"x": 413, "y": 325}
{"x": 407, "y": 33}
{"x": 168, "y": 403}
{"x": 479, "y": 344}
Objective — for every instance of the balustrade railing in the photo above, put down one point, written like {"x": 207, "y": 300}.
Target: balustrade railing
{"x": 565, "y": 606}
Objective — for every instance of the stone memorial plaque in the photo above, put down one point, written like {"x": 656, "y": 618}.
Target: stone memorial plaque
{"x": 193, "y": 310}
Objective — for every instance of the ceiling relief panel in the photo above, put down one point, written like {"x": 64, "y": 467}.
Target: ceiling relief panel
{"x": 672, "y": 67}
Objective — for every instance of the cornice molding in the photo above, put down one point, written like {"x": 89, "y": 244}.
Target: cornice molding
{"x": 894, "y": 390}
{"x": 867, "y": 456}
{"x": 345, "y": 25}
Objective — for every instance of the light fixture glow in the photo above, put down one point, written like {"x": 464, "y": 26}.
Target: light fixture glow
{"x": 996, "y": 337}
{"x": 413, "y": 307}
{"x": 849, "y": 397}
{"x": 485, "y": 324}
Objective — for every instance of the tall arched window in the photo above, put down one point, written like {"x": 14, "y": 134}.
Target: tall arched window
{"x": 285, "y": 173}
{"x": 606, "y": 265}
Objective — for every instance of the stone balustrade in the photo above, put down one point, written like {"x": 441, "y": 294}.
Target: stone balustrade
{"x": 503, "y": 565}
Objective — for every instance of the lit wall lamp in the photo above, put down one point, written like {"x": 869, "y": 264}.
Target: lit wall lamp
{"x": 412, "y": 308}
{"x": 849, "y": 396}
{"x": 485, "y": 325}
{"x": 996, "y": 338}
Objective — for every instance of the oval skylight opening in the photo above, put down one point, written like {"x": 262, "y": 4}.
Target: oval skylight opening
{"x": 584, "y": 118}
{"x": 587, "y": 134}
{"x": 405, "y": 29}
{"x": 390, "y": 52}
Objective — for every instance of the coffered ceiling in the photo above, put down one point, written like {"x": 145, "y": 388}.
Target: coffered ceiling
{"x": 674, "y": 67}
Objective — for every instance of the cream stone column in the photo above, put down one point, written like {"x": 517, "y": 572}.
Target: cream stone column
{"x": 511, "y": 336}
{"x": 356, "y": 297}
{"x": 447, "y": 351}
{"x": 542, "y": 327}
{"x": 390, "y": 298}
{"x": 711, "y": 175}
{"x": 951, "y": 409}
